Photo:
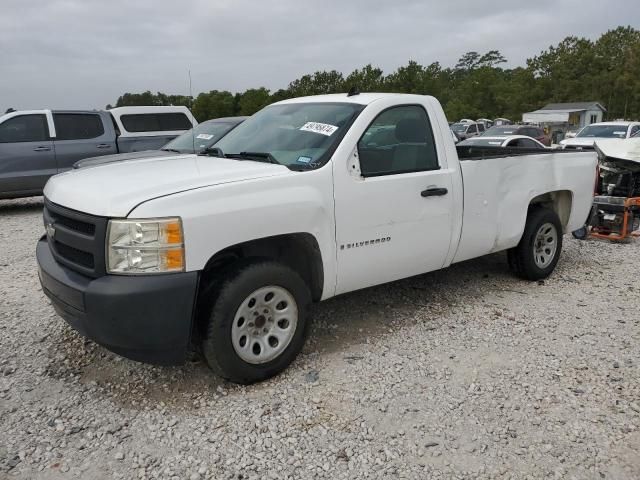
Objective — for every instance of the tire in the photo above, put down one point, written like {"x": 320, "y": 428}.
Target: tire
{"x": 536, "y": 256}
{"x": 581, "y": 233}
{"x": 277, "y": 324}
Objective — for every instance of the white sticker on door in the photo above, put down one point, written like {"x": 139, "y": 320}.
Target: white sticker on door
{"x": 321, "y": 128}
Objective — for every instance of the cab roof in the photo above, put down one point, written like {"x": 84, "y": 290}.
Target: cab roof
{"x": 360, "y": 98}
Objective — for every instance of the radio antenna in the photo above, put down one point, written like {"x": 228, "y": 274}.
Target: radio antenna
{"x": 193, "y": 134}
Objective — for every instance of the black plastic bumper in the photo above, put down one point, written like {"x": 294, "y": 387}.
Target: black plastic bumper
{"x": 145, "y": 318}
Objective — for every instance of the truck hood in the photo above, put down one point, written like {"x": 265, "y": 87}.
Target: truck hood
{"x": 114, "y": 189}
{"x": 121, "y": 157}
{"x": 621, "y": 154}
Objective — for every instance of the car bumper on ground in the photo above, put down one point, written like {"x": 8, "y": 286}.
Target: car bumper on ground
{"x": 145, "y": 318}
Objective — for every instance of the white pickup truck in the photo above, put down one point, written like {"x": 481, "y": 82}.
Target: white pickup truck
{"x": 309, "y": 198}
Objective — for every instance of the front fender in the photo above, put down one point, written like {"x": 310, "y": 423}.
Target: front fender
{"x": 220, "y": 216}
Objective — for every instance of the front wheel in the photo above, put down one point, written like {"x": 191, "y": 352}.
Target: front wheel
{"x": 538, "y": 252}
{"x": 257, "y": 322}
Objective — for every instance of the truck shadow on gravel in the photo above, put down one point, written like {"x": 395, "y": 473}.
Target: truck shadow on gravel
{"x": 338, "y": 325}
{"x": 21, "y": 206}
{"x": 363, "y": 315}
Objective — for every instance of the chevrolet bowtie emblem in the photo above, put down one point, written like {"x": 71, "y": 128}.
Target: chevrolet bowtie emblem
{"x": 51, "y": 230}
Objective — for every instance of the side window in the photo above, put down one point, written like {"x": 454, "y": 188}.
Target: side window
{"x": 635, "y": 129}
{"x": 77, "y": 126}
{"x": 155, "y": 122}
{"x": 472, "y": 129}
{"x": 481, "y": 127}
{"x": 526, "y": 143}
{"x": 399, "y": 140}
{"x": 174, "y": 121}
{"x": 24, "y": 128}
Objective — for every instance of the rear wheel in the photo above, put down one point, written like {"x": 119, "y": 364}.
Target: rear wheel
{"x": 538, "y": 252}
{"x": 257, "y": 321}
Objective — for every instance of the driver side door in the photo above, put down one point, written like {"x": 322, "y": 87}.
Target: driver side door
{"x": 395, "y": 218}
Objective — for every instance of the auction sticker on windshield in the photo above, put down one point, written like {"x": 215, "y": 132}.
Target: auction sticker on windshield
{"x": 205, "y": 136}
{"x": 321, "y": 128}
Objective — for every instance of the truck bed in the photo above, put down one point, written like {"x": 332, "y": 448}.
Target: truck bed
{"x": 486, "y": 152}
{"x": 499, "y": 189}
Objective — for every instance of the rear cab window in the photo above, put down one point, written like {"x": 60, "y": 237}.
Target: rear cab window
{"x": 78, "y": 126}
{"x": 399, "y": 140}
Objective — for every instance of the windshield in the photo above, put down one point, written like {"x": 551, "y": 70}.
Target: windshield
{"x": 604, "y": 131}
{"x": 459, "y": 127}
{"x": 501, "y": 131}
{"x": 202, "y": 136}
{"x": 301, "y": 135}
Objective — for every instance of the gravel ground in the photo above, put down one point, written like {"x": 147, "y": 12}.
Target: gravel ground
{"x": 464, "y": 373}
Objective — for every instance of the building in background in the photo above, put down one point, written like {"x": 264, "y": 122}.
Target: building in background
{"x": 560, "y": 118}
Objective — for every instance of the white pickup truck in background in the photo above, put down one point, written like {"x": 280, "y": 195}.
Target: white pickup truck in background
{"x": 309, "y": 198}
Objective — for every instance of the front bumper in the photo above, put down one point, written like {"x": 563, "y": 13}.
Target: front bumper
{"x": 145, "y": 318}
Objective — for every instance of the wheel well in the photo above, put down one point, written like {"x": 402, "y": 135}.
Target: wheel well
{"x": 560, "y": 202}
{"x": 299, "y": 251}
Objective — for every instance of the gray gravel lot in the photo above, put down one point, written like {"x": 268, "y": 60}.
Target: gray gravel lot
{"x": 464, "y": 373}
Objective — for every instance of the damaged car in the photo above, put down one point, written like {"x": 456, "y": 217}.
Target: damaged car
{"x": 615, "y": 214}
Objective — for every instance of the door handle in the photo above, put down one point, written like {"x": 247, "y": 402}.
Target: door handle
{"x": 434, "y": 192}
{"x": 42, "y": 149}
{"x": 103, "y": 145}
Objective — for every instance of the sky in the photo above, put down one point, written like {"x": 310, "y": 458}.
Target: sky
{"x": 85, "y": 53}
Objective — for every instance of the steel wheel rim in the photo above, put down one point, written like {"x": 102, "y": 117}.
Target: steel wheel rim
{"x": 545, "y": 245}
{"x": 264, "y": 324}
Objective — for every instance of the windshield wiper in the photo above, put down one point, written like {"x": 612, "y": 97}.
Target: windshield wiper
{"x": 257, "y": 156}
{"x": 213, "y": 152}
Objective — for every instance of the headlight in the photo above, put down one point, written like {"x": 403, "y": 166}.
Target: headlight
{"x": 145, "y": 246}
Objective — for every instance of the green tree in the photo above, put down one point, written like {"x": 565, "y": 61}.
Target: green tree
{"x": 407, "y": 79}
{"x": 214, "y": 104}
{"x": 317, "y": 84}
{"x": 279, "y": 95}
{"x": 366, "y": 79}
{"x": 615, "y": 52}
{"x": 468, "y": 61}
{"x": 253, "y": 100}
{"x": 491, "y": 59}
{"x": 136, "y": 99}
{"x": 567, "y": 72}
{"x": 576, "y": 69}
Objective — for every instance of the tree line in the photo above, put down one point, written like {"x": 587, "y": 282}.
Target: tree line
{"x": 606, "y": 70}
